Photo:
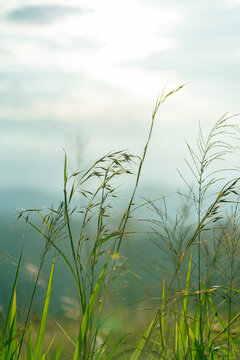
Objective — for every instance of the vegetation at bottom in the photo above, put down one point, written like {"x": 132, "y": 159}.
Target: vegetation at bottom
{"x": 196, "y": 313}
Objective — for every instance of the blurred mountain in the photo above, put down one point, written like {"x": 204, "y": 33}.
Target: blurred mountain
{"x": 24, "y": 198}
{"x": 137, "y": 249}
{"x": 27, "y": 198}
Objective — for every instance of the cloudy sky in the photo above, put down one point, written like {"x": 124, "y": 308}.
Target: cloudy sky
{"x": 84, "y": 76}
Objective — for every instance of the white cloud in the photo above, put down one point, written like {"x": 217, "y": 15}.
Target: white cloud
{"x": 232, "y": 3}
{"x": 12, "y": 142}
{"x": 116, "y": 93}
{"x": 95, "y": 65}
{"x": 126, "y": 30}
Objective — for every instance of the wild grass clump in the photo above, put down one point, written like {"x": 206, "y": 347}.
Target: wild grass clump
{"x": 195, "y": 316}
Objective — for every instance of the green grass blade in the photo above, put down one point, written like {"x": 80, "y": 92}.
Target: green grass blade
{"x": 138, "y": 351}
{"x": 109, "y": 356}
{"x": 208, "y": 324}
{"x": 199, "y": 354}
{"x": 8, "y": 340}
{"x": 29, "y": 353}
{"x": 10, "y": 314}
{"x": 196, "y": 322}
{"x": 101, "y": 242}
{"x": 176, "y": 338}
{"x": 224, "y": 328}
{"x": 41, "y": 333}
{"x": 183, "y": 321}
{"x": 65, "y": 169}
{"x": 74, "y": 256}
{"x": 66, "y": 334}
{"x": 49, "y": 347}
{"x": 125, "y": 218}
{"x": 13, "y": 329}
{"x": 57, "y": 353}
{"x": 88, "y": 313}
{"x": 57, "y": 248}
{"x": 162, "y": 317}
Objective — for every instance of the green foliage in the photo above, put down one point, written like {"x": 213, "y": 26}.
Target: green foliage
{"x": 9, "y": 348}
{"x": 195, "y": 318}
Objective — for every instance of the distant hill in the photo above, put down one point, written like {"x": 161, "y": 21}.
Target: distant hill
{"x": 137, "y": 249}
{"x": 11, "y": 199}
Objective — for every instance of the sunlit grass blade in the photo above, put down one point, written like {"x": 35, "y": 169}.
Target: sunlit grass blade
{"x": 69, "y": 227}
{"x": 12, "y": 347}
{"x": 183, "y": 326}
{"x": 100, "y": 243}
{"x": 176, "y": 336}
{"x": 224, "y": 328}
{"x": 159, "y": 342}
{"x": 208, "y": 324}
{"x": 162, "y": 316}
{"x": 196, "y": 322}
{"x": 8, "y": 339}
{"x": 29, "y": 353}
{"x": 139, "y": 349}
{"x": 5, "y": 344}
{"x": 67, "y": 261}
{"x": 125, "y": 218}
{"x": 42, "y": 329}
{"x": 57, "y": 352}
{"x": 66, "y": 333}
{"x": 47, "y": 351}
{"x": 88, "y": 313}
{"x": 114, "y": 348}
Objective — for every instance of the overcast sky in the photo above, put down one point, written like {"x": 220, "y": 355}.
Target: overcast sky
{"x": 84, "y": 76}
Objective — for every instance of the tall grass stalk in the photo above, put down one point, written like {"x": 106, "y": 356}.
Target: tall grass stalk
{"x": 125, "y": 217}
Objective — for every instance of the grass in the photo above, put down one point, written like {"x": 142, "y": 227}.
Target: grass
{"x": 195, "y": 315}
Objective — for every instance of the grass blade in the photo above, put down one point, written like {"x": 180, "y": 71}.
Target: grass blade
{"x": 41, "y": 333}
{"x": 29, "y": 353}
{"x": 138, "y": 351}
{"x": 183, "y": 321}
{"x": 8, "y": 340}
{"x": 88, "y": 313}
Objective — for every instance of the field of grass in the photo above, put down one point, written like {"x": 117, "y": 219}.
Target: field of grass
{"x": 195, "y": 313}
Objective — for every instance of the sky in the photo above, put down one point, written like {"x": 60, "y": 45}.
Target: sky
{"x": 83, "y": 76}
